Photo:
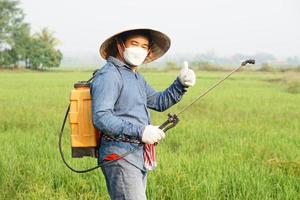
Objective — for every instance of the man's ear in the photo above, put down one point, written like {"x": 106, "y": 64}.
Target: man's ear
{"x": 149, "y": 53}
{"x": 120, "y": 46}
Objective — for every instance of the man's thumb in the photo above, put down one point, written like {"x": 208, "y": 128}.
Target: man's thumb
{"x": 185, "y": 65}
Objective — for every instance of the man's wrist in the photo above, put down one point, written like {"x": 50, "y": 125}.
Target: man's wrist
{"x": 140, "y": 132}
{"x": 183, "y": 87}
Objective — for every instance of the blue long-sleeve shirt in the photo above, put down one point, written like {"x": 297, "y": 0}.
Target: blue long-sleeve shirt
{"x": 120, "y": 102}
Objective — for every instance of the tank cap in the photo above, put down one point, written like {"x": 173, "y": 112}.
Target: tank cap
{"x": 82, "y": 84}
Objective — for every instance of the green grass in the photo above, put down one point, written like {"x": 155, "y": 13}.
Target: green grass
{"x": 242, "y": 141}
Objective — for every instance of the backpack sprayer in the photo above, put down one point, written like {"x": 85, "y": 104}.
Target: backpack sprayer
{"x": 85, "y": 138}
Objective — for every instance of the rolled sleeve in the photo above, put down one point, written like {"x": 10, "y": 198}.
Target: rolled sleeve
{"x": 160, "y": 101}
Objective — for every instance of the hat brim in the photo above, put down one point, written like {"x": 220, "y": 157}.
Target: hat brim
{"x": 159, "y": 46}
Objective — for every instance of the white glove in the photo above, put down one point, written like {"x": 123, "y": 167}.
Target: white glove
{"x": 187, "y": 76}
{"x": 152, "y": 134}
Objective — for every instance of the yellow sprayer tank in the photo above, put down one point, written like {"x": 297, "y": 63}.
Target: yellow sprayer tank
{"x": 84, "y": 137}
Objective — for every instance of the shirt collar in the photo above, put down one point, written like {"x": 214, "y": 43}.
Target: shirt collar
{"x": 117, "y": 62}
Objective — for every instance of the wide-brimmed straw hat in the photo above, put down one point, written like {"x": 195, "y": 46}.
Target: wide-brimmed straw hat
{"x": 160, "y": 44}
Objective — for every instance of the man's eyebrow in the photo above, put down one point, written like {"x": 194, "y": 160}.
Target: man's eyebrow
{"x": 144, "y": 44}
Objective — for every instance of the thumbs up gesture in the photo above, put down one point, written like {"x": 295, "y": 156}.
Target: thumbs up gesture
{"x": 187, "y": 76}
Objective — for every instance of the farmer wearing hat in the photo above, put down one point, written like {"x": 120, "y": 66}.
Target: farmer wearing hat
{"x": 121, "y": 98}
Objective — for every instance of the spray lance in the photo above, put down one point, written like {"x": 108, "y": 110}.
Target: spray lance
{"x": 171, "y": 122}
{"x": 173, "y": 118}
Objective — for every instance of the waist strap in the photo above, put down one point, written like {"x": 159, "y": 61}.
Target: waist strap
{"x": 121, "y": 138}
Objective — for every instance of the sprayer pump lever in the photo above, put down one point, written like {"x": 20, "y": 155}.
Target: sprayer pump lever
{"x": 170, "y": 122}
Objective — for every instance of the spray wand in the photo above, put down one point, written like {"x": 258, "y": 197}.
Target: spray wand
{"x": 173, "y": 119}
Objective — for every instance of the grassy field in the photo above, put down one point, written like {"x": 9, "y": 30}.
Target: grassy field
{"x": 240, "y": 142}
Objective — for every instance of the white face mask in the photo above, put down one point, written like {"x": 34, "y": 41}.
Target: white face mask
{"x": 135, "y": 55}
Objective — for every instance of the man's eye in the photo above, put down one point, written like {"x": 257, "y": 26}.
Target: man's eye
{"x": 134, "y": 43}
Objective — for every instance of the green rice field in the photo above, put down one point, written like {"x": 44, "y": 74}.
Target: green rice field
{"x": 242, "y": 141}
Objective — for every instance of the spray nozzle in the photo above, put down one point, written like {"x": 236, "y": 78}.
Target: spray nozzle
{"x": 249, "y": 61}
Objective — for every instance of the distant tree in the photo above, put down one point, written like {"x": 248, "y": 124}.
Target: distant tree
{"x": 17, "y": 45}
{"x": 204, "y": 65}
{"x": 47, "y": 36}
{"x": 21, "y": 44}
{"x": 42, "y": 55}
{"x": 11, "y": 21}
{"x": 7, "y": 57}
{"x": 266, "y": 67}
{"x": 293, "y": 60}
{"x": 170, "y": 65}
{"x": 262, "y": 58}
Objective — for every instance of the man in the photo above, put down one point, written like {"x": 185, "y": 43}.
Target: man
{"x": 120, "y": 101}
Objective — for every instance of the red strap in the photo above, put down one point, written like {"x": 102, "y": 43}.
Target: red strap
{"x": 112, "y": 156}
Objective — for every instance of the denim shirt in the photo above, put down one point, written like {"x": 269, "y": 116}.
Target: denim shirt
{"x": 120, "y": 102}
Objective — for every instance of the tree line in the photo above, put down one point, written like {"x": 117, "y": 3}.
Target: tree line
{"x": 18, "y": 47}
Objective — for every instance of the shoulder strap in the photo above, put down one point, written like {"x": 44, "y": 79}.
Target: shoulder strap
{"x": 94, "y": 75}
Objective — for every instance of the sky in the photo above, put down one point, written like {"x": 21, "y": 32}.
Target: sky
{"x": 194, "y": 26}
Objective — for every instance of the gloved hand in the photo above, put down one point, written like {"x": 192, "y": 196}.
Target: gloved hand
{"x": 187, "y": 76}
{"x": 152, "y": 134}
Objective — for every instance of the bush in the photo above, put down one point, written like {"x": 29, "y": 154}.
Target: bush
{"x": 293, "y": 87}
{"x": 171, "y": 65}
{"x": 207, "y": 66}
{"x": 265, "y": 67}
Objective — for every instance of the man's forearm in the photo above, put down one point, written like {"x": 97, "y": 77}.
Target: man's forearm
{"x": 160, "y": 101}
{"x": 113, "y": 125}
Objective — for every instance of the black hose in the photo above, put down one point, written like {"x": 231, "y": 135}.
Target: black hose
{"x": 93, "y": 168}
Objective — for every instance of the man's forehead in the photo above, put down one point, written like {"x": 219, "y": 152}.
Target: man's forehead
{"x": 137, "y": 37}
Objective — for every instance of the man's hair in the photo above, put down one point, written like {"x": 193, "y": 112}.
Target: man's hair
{"x": 124, "y": 36}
